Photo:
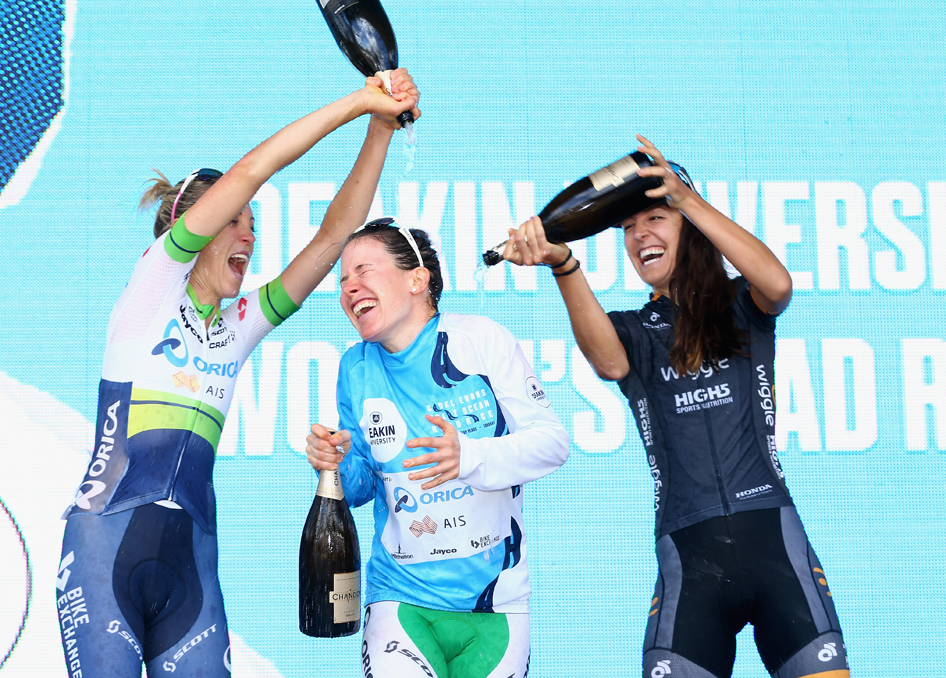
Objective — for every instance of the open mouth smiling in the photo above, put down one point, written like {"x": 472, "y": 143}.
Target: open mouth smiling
{"x": 238, "y": 263}
{"x": 363, "y": 306}
{"x": 651, "y": 255}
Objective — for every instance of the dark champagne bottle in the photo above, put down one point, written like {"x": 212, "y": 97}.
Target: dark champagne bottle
{"x": 329, "y": 565}
{"x": 364, "y": 34}
{"x": 594, "y": 203}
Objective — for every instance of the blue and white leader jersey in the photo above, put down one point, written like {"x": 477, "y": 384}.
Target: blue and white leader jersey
{"x": 459, "y": 546}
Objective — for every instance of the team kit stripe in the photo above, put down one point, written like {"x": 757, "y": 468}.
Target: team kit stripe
{"x": 182, "y": 245}
{"x": 276, "y": 303}
{"x": 152, "y": 410}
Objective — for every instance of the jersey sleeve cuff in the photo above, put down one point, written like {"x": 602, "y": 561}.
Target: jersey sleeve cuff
{"x": 275, "y": 301}
{"x": 182, "y": 245}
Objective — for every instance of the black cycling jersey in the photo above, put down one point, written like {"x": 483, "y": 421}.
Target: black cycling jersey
{"x": 709, "y": 437}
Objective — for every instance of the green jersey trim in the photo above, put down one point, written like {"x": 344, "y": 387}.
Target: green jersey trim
{"x": 275, "y": 301}
{"x": 152, "y": 410}
{"x": 182, "y": 245}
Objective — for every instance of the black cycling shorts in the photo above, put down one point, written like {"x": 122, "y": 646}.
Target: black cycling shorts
{"x": 753, "y": 567}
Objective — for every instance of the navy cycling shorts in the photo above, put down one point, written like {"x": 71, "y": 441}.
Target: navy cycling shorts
{"x": 754, "y": 567}
{"x": 141, "y": 586}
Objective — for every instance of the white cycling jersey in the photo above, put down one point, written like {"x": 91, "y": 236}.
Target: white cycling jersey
{"x": 167, "y": 382}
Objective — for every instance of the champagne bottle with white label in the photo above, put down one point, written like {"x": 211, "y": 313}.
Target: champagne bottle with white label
{"x": 363, "y": 32}
{"x": 329, "y": 565}
{"x": 594, "y": 203}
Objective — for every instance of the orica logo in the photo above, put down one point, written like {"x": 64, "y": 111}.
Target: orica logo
{"x": 404, "y": 501}
{"x": 170, "y": 345}
{"x": 96, "y": 487}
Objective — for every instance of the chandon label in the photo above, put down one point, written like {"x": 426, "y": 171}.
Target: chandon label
{"x": 346, "y": 597}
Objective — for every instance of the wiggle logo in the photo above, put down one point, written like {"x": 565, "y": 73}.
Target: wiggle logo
{"x": 170, "y": 345}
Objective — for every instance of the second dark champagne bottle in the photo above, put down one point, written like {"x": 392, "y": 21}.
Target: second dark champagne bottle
{"x": 329, "y": 565}
{"x": 594, "y": 203}
{"x": 364, "y": 34}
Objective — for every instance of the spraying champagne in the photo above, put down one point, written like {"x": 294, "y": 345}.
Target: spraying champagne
{"x": 329, "y": 564}
{"x": 364, "y": 34}
{"x": 599, "y": 201}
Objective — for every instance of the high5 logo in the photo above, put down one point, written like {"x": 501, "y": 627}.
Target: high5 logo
{"x": 34, "y": 58}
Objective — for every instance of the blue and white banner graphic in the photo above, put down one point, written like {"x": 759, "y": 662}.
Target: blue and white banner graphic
{"x": 817, "y": 126}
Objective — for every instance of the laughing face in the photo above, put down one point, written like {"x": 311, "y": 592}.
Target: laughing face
{"x": 380, "y": 299}
{"x": 651, "y": 239}
{"x": 222, "y": 264}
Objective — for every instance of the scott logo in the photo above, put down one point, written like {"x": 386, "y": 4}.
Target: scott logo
{"x": 170, "y": 345}
{"x": 113, "y": 626}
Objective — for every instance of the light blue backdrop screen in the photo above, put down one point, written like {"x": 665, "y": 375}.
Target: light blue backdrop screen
{"x": 817, "y": 125}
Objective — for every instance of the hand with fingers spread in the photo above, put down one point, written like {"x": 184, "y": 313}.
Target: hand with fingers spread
{"x": 325, "y": 448}
{"x": 676, "y": 192}
{"x": 527, "y": 246}
{"x": 445, "y": 457}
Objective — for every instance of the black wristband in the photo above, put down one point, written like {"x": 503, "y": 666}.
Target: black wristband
{"x": 567, "y": 259}
{"x": 569, "y": 271}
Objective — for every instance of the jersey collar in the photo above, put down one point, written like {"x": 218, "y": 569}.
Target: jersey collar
{"x": 204, "y": 311}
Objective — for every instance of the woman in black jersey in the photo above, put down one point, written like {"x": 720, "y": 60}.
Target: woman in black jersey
{"x": 696, "y": 364}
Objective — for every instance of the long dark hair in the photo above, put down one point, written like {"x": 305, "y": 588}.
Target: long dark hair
{"x": 705, "y": 330}
{"x": 386, "y": 232}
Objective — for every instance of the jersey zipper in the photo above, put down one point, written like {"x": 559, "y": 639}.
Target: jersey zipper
{"x": 712, "y": 445}
{"x": 205, "y": 346}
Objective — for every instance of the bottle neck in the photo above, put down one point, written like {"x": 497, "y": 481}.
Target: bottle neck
{"x": 330, "y": 485}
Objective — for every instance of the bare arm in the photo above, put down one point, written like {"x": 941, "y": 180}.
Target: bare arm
{"x": 593, "y": 330}
{"x": 232, "y": 192}
{"x": 346, "y": 213}
{"x": 770, "y": 281}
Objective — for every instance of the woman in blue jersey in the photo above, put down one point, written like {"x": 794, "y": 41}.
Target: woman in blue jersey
{"x": 696, "y": 364}
{"x": 447, "y": 588}
{"x": 138, "y": 577}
